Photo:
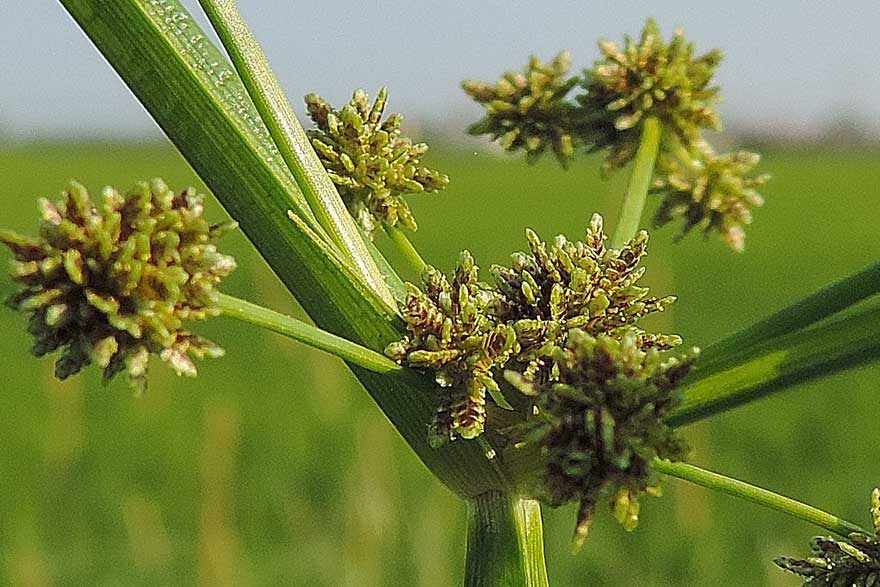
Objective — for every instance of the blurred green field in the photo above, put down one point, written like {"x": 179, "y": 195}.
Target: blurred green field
{"x": 274, "y": 468}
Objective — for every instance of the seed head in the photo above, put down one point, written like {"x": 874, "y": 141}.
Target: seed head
{"x": 528, "y": 110}
{"x": 112, "y": 282}
{"x": 468, "y": 333}
{"x": 714, "y": 192}
{"x": 648, "y": 77}
{"x": 854, "y": 561}
{"x": 372, "y": 164}
{"x": 579, "y": 285}
{"x": 453, "y": 331}
{"x": 601, "y": 425}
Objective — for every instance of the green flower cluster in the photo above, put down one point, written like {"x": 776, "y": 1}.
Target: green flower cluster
{"x": 600, "y": 424}
{"x": 648, "y": 78}
{"x": 527, "y": 110}
{"x": 469, "y": 333}
{"x": 112, "y": 282}
{"x": 372, "y": 164}
{"x": 714, "y": 192}
{"x": 575, "y": 285}
{"x": 854, "y": 562}
{"x": 453, "y": 331}
{"x": 604, "y": 110}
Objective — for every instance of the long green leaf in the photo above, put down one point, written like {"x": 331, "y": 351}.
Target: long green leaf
{"x": 195, "y": 96}
{"x": 780, "y": 363}
{"x": 815, "y": 307}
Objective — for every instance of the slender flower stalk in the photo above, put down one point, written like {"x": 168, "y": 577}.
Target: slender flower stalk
{"x": 406, "y": 248}
{"x": 306, "y": 333}
{"x": 758, "y": 495}
{"x": 639, "y": 183}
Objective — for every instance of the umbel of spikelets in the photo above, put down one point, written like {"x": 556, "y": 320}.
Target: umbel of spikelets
{"x": 453, "y": 331}
{"x": 648, "y": 77}
{"x": 467, "y": 332}
{"x": 112, "y": 282}
{"x": 713, "y": 192}
{"x": 580, "y": 285}
{"x": 600, "y": 425}
{"x": 854, "y": 562}
{"x": 372, "y": 164}
{"x": 527, "y": 110}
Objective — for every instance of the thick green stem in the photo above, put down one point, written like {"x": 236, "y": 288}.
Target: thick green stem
{"x": 293, "y": 144}
{"x": 307, "y": 334}
{"x": 758, "y": 495}
{"x": 819, "y": 305}
{"x": 780, "y": 363}
{"x": 406, "y": 248}
{"x": 639, "y": 183}
{"x": 505, "y": 544}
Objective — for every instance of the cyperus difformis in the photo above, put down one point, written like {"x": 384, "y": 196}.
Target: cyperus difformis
{"x": 648, "y": 78}
{"x": 454, "y": 331}
{"x": 713, "y": 192}
{"x": 111, "y": 282}
{"x": 528, "y": 110}
{"x": 599, "y": 424}
{"x": 372, "y": 164}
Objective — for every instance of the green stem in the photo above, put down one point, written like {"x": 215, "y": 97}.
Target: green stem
{"x": 505, "y": 544}
{"x": 293, "y": 144}
{"x": 816, "y": 306}
{"x": 780, "y": 363}
{"x": 306, "y": 333}
{"x": 758, "y": 495}
{"x": 639, "y": 183}
{"x": 406, "y": 248}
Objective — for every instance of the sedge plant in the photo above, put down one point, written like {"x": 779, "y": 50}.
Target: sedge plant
{"x": 535, "y": 384}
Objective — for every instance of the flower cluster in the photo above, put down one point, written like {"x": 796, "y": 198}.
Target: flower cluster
{"x": 453, "y": 331}
{"x": 604, "y": 110}
{"x": 469, "y": 332}
{"x": 583, "y": 285}
{"x": 112, "y": 282}
{"x": 600, "y": 425}
{"x": 853, "y": 562}
{"x": 528, "y": 110}
{"x": 368, "y": 159}
{"x": 714, "y": 192}
{"x": 649, "y": 78}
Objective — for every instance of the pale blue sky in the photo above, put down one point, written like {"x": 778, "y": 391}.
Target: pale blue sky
{"x": 789, "y": 63}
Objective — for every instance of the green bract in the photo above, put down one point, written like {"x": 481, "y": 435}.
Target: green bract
{"x": 648, "y": 78}
{"x": 600, "y": 425}
{"x": 527, "y": 110}
{"x": 713, "y": 192}
{"x": 112, "y": 282}
{"x": 854, "y": 562}
{"x": 369, "y": 160}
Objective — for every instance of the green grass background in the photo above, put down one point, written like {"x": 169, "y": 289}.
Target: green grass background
{"x": 274, "y": 467}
